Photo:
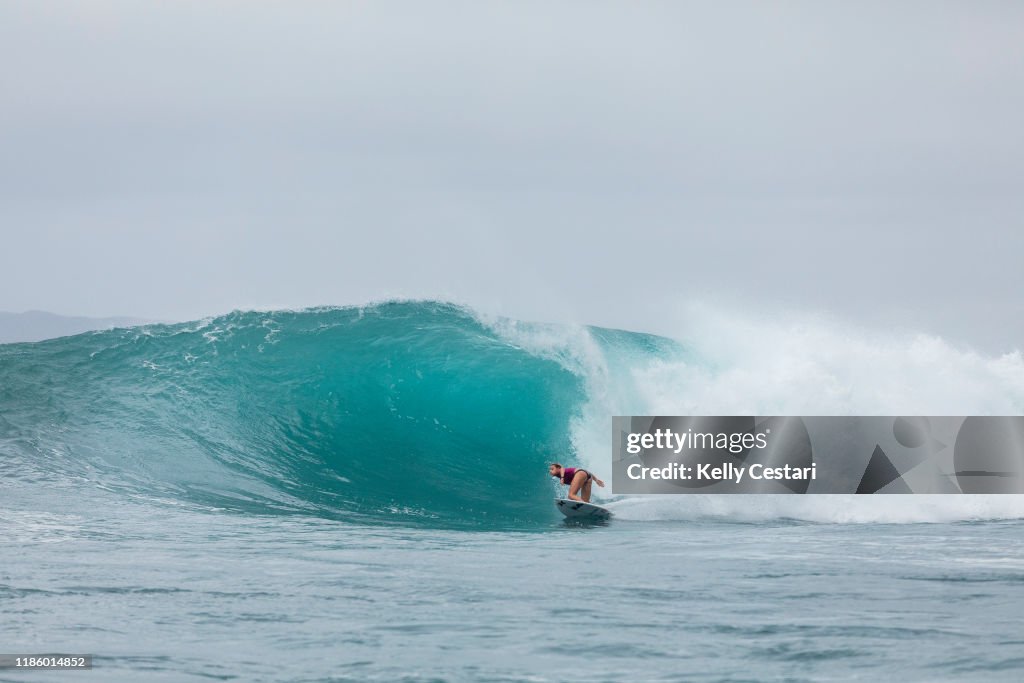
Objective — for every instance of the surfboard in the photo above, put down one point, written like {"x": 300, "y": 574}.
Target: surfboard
{"x": 578, "y": 510}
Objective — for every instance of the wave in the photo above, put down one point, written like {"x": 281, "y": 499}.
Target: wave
{"x": 429, "y": 413}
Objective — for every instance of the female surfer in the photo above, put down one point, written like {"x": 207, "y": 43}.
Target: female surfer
{"x": 578, "y": 480}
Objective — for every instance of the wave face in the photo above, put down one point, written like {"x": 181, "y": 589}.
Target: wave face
{"x": 417, "y": 412}
{"x": 427, "y": 413}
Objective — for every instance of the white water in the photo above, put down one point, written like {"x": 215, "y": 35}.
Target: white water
{"x": 739, "y": 365}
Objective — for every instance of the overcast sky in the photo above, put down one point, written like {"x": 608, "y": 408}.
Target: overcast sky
{"x": 579, "y": 161}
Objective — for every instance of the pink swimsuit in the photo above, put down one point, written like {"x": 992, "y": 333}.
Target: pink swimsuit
{"x": 569, "y": 472}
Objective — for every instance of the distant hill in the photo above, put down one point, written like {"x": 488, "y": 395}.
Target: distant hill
{"x": 39, "y": 325}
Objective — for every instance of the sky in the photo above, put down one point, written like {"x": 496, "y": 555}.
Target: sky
{"x": 596, "y": 162}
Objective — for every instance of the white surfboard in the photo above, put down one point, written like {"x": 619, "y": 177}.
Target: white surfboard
{"x": 578, "y": 510}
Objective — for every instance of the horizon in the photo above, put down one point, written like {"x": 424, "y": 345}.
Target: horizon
{"x": 707, "y": 321}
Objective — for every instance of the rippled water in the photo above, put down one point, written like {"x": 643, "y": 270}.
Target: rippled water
{"x": 160, "y": 592}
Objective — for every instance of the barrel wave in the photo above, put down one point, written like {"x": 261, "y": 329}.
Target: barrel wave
{"x": 425, "y": 413}
{"x": 402, "y": 412}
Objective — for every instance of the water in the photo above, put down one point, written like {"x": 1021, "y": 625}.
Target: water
{"x": 362, "y": 495}
{"x": 167, "y": 594}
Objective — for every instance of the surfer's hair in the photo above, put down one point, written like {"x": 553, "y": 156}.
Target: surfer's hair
{"x": 556, "y": 464}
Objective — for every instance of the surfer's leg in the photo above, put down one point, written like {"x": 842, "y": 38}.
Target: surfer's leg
{"x": 586, "y": 490}
{"x": 577, "y": 486}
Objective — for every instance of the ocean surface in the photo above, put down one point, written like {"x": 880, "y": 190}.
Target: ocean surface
{"x": 361, "y": 494}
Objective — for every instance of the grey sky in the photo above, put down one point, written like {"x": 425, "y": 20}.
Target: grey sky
{"x": 585, "y": 161}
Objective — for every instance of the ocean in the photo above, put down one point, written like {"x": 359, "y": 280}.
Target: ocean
{"x": 361, "y": 494}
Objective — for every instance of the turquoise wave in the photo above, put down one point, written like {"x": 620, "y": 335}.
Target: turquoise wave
{"x": 402, "y": 412}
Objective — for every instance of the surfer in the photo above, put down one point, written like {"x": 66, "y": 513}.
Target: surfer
{"x": 578, "y": 480}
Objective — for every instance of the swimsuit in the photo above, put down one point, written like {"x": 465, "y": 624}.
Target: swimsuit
{"x": 569, "y": 472}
